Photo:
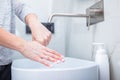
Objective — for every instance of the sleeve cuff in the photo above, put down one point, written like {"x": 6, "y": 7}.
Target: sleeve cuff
{"x": 25, "y": 11}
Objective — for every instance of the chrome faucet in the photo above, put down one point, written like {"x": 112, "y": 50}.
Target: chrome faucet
{"x": 94, "y": 14}
{"x": 66, "y": 15}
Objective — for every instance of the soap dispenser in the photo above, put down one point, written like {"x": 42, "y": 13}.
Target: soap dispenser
{"x": 102, "y": 60}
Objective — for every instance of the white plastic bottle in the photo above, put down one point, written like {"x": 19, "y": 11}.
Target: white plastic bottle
{"x": 101, "y": 58}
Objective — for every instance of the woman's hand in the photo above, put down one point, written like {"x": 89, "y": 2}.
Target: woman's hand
{"x": 41, "y": 34}
{"x": 37, "y": 52}
{"x": 36, "y": 49}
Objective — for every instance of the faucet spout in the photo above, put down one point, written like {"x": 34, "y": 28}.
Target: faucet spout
{"x": 94, "y": 14}
{"x": 66, "y": 15}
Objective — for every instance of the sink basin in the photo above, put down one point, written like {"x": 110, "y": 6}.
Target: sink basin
{"x": 71, "y": 69}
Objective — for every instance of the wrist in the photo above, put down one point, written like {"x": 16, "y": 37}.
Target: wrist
{"x": 20, "y": 46}
{"x": 11, "y": 41}
{"x": 33, "y": 22}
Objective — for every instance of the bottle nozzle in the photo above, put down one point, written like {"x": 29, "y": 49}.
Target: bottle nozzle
{"x": 95, "y": 43}
{"x": 99, "y": 45}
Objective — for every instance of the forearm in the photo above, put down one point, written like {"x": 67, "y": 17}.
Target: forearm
{"x": 39, "y": 32}
{"x": 31, "y": 18}
{"x": 10, "y": 40}
{"x": 32, "y": 21}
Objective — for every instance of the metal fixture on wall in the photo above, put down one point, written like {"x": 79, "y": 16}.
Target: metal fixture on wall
{"x": 94, "y": 14}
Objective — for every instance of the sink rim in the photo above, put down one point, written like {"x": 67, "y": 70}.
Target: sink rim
{"x": 92, "y": 64}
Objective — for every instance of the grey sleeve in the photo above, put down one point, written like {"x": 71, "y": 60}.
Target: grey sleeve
{"x": 21, "y": 8}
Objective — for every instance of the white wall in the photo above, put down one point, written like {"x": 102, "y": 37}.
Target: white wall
{"x": 107, "y": 32}
{"x": 80, "y": 38}
{"x": 59, "y": 38}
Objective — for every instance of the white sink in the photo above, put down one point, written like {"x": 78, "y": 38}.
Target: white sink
{"x": 71, "y": 69}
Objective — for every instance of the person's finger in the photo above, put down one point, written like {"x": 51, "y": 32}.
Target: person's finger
{"x": 47, "y": 57}
{"x": 43, "y": 56}
{"x": 49, "y": 36}
{"x": 46, "y": 41}
{"x": 33, "y": 38}
{"x": 42, "y": 61}
{"x": 41, "y": 41}
{"x": 51, "y": 55}
{"x": 54, "y": 52}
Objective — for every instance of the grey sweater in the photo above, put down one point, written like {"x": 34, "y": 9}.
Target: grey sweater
{"x": 8, "y": 10}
